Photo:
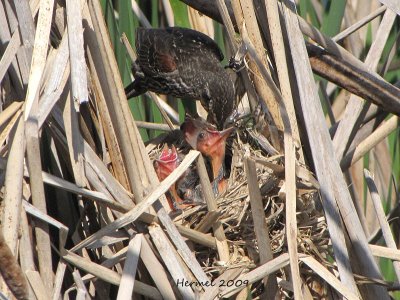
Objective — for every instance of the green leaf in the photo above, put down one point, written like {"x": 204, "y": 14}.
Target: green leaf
{"x": 180, "y": 13}
{"x": 333, "y": 19}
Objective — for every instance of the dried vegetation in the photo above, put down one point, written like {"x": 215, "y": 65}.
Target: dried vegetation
{"x": 84, "y": 215}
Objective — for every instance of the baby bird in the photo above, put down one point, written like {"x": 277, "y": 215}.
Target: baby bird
{"x": 205, "y": 138}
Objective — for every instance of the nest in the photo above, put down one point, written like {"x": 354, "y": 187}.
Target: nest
{"x": 234, "y": 214}
{"x": 84, "y": 215}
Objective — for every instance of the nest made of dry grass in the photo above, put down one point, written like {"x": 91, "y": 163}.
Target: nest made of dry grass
{"x": 84, "y": 215}
{"x": 235, "y": 214}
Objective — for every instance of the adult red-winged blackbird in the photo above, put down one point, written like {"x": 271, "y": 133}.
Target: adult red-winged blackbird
{"x": 184, "y": 63}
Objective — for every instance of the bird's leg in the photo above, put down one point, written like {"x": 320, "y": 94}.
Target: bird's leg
{"x": 177, "y": 202}
{"x": 233, "y": 119}
{"x": 237, "y": 62}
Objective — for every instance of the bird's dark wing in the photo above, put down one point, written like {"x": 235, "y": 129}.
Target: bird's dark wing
{"x": 186, "y": 38}
{"x": 163, "y": 50}
{"x": 155, "y": 55}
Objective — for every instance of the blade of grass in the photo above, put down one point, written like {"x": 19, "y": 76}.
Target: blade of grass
{"x": 222, "y": 245}
{"x": 108, "y": 275}
{"x": 257, "y": 274}
{"x": 127, "y": 282}
{"x": 39, "y": 53}
{"x": 260, "y": 227}
{"x": 169, "y": 256}
{"x": 387, "y": 233}
{"x": 133, "y": 214}
{"x": 354, "y": 109}
{"x": 306, "y": 84}
{"x": 333, "y": 20}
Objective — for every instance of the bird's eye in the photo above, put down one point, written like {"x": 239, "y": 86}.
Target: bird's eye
{"x": 202, "y": 135}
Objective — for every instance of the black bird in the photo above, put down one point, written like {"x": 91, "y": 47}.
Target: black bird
{"x": 184, "y": 63}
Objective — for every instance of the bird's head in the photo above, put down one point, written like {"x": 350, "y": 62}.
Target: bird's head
{"x": 205, "y": 138}
{"x": 167, "y": 162}
{"x": 219, "y": 98}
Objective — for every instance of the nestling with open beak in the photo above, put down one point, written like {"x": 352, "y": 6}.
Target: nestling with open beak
{"x": 165, "y": 165}
{"x": 185, "y": 191}
{"x": 204, "y": 137}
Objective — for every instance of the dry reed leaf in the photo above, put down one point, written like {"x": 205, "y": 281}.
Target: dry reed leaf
{"x": 380, "y": 213}
{"x": 12, "y": 200}
{"x": 222, "y": 245}
{"x": 56, "y": 80}
{"x": 39, "y": 53}
{"x": 108, "y": 275}
{"x": 120, "y": 163}
{"x": 130, "y": 268}
{"x": 257, "y": 274}
{"x": 81, "y": 291}
{"x": 370, "y": 142}
{"x": 9, "y": 55}
{"x": 156, "y": 270}
{"x": 77, "y": 60}
{"x": 355, "y": 106}
{"x": 213, "y": 291}
{"x": 26, "y": 249}
{"x": 104, "y": 175}
{"x": 27, "y": 30}
{"x": 9, "y": 126}
{"x": 73, "y": 188}
{"x": 63, "y": 230}
{"x": 290, "y": 170}
{"x": 109, "y": 131}
{"x": 170, "y": 258}
{"x": 121, "y": 117}
{"x": 278, "y": 47}
{"x": 32, "y": 140}
{"x": 6, "y": 37}
{"x": 381, "y": 251}
{"x": 329, "y": 277}
{"x": 58, "y": 280}
{"x": 392, "y": 4}
{"x": 38, "y": 287}
{"x": 134, "y": 213}
{"x": 360, "y": 23}
{"x": 306, "y": 85}
{"x": 260, "y": 227}
{"x": 10, "y": 112}
{"x": 75, "y": 140}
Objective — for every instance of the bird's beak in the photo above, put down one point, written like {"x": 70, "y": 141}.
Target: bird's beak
{"x": 168, "y": 155}
{"x": 216, "y": 140}
{"x": 227, "y": 132}
{"x": 220, "y": 136}
{"x": 166, "y": 163}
